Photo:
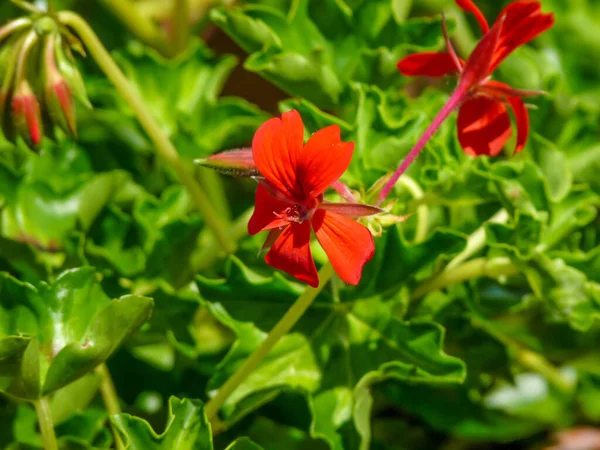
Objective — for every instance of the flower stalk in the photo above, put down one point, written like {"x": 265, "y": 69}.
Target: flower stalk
{"x": 285, "y": 324}
{"x": 163, "y": 145}
{"x": 453, "y": 102}
{"x": 483, "y": 124}
{"x": 42, "y": 408}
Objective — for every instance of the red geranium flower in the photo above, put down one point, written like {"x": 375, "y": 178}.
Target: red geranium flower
{"x": 483, "y": 121}
{"x": 289, "y": 201}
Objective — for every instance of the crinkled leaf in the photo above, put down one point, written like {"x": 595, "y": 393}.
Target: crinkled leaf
{"x": 187, "y": 429}
{"x": 339, "y": 348}
{"x": 316, "y": 49}
{"x": 183, "y": 95}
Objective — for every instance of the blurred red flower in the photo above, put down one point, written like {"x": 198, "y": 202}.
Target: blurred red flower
{"x": 483, "y": 121}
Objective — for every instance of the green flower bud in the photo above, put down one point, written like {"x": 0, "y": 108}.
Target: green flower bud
{"x": 58, "y": 95}
{"x": 68, "y": 69}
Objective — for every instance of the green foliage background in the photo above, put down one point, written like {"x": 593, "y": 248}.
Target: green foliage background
{"x": 103, "y": 256}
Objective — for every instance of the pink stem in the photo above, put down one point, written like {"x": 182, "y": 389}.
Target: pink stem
{"x": 453, "y": 102}
{"x": 344, "y": 191}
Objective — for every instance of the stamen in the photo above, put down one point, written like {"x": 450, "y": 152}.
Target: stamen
{"x": 296, "y": 213}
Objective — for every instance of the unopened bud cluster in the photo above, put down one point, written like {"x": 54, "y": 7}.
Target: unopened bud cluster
{"x": 39, "y": 79}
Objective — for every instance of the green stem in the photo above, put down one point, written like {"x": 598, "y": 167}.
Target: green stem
{"x": 14, "y": 26}
{"x": 180, "y": 25}
{"x": 28, "y": 44}
{"x": 285, "y": 324}
{"x": 422, "y": 210}
{"x": 163, "y": 145}
{"x": 139, "y": 25}
{"x": 479, "y": 267}
{"x": 476, "y": 241}
{"x": 111, "y": 400}
{"x": 42, "y": 408}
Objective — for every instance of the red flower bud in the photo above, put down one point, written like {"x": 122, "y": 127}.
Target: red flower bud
{"x": 237, "y": 163}
{"x": 26, "y": 114}
{"x": 61, "y": 108}
{"x": 59, "y": 97}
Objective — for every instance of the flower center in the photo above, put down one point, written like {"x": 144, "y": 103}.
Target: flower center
{"x": 296, "y": 213}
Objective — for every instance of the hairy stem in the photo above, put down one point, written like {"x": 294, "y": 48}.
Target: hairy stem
{"x": 140, "y": 26}
{"x": 111, "y": 400}
{"x": 478, "y": 267}
{"x": 344, "y": 191}
{"x": 453, "y": 102}
{"x": 163, "y": 145}
{"x": 285, "y": 324}
{"x": 42, "y": 408}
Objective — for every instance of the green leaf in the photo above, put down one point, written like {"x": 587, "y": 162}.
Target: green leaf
{"x": 338, "y": 351}
{"x": 453, "y": 411}
{"x": 74, "y": 398}
{"x": 52, "y": 197}
{"x": 316, "y": 50}
{"x": 570, "y": 297}
{"x": 183, "y": 95}
{"x": 522, "y": 236}
{"x": 187, "y": 429}
{"x": 396, "y": 261}
{"x": 72, "y": 326}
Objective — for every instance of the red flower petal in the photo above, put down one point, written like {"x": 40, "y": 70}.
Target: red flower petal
{"x": 483, "y": 126}
{"x": 477, "y": 67}
{"x": 323, "y": 161}
{"x": 429, "y": 64}
{"x": 524, "y": 22}
{"x": 291, "y": 253}
{"x": 264, "y": 216}
{"x": 348, "y": 244}
{"x": 469, "y": 6}
{"x": 522, "y": 120}
{"x": 275, "y": 147}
